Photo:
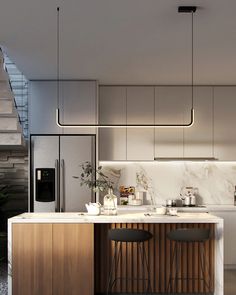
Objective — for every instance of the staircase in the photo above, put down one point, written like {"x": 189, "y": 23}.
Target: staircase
{"x": 11, "y": 136}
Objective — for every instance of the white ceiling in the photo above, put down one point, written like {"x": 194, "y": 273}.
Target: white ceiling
{"x": 122, "y": 41}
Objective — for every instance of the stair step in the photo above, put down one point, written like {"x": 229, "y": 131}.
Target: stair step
{"x": 11, "y": 135}
{"x": 5, "y": 90}
{"x": 6, "y": 96}
{"x": 13, "y": 114}
{"x": 8, "y": 124}
{"x": 3, "y": 75}
{"x": 11, "y": 139}
{"x": 6, "y": 106}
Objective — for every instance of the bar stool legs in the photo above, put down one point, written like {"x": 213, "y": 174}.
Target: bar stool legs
{"x": 177, "y": 252}
{"x": 145, "y": 263}
{"x": 114, "y": 265}
{"x": 115, "y": 262}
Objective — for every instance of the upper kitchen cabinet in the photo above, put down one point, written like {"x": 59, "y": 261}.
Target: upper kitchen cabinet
{"x": 42, "y": 107}
{"x": 225, "y": 122}
{"x": 198, "y": 139}
{"x": 140, "y": 110}
{"x": 156, "y": 105}
{"x": 172, "y": 106}
{"x": 77, "y": 103}
{"x": 118, "y": 105}
{"x": 112, "y": 110}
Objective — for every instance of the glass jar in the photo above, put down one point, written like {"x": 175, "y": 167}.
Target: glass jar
{"x": 139, "y": 194}
{"x": 110, "y": 203}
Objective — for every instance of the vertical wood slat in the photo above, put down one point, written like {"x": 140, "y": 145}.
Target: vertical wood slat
{"x": 159, "y": 250}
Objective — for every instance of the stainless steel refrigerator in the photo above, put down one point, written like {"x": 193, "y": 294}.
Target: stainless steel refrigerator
{"x": 54, "y": 160}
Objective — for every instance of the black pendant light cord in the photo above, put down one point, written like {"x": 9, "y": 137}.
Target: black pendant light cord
{"x": 58, "y": 53}
{"x": 192, "y": 58}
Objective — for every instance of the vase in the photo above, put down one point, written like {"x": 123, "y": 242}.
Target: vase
{"x": 110, "y": 203}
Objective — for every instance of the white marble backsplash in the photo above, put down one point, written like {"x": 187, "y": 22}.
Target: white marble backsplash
{"x": 163, "y": 180}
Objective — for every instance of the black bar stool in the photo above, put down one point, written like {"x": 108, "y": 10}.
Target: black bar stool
{"x": 188, "y": 235}
{"x": 128, "y": 235}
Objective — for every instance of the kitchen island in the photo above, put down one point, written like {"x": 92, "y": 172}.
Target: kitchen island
{"x": 61, "y": 253}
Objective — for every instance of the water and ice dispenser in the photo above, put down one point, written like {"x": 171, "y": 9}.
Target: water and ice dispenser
{"x": 45, "y": 184}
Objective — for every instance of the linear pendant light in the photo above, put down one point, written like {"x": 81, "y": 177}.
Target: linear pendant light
{"x": 62, "y": 125}
{"x": 188, "y": 9}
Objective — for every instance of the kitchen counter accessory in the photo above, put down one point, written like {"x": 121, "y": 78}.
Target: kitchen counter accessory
{"x": 170, "y": 203}
{"x": 188, "y": 197}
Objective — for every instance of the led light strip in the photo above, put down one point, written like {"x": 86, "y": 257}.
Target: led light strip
{"x": 62, "y": 125}
{"x": 191, "y": 159}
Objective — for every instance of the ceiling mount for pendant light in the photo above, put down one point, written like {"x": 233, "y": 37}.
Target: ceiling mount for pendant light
{"x": 187, "y": 9}
{"x": 181, "y": 9}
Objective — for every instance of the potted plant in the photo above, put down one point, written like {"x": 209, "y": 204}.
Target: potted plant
{"x": 96, "y": 180}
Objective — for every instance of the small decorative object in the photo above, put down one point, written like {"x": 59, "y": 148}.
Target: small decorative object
{"x": 124, "y": 200}
{"x": 173, "y": 211}
{"x": 93, "y": 208}
{"x": 125, "y": 192}
{"x": 131, "y": 198}
{"x": 160, "y": 210}
{"x": 145, "y": 183}
{"x": 139, "y": 194}
{"x": 110, "y": 203}
{"x": 136, "y": 202}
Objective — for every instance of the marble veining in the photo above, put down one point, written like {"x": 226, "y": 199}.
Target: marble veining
{"x": 163, "y": 180}
{"x": 122, "y": 217}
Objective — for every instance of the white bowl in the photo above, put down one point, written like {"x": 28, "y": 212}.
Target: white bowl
{"x": 161, "y": 210}
{"x": 173, "y": 211}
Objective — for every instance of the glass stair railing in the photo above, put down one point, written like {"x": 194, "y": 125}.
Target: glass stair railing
{"x": 19, "y": 85}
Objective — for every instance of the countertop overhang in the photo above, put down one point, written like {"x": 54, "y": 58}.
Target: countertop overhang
{"x": 130, "y": 217}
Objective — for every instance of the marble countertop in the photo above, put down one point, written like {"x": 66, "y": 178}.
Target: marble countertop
{"x": 125, "y": 208}
{"x": 221, "y": 207}
{"x": 204, "y": 208}
{"x": 129, "y": 217}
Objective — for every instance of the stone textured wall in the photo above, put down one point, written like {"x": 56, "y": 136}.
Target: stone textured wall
{"x": 14, "y": 175}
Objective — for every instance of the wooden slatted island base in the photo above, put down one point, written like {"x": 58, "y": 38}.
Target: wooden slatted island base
{"x": 70, "y": 254}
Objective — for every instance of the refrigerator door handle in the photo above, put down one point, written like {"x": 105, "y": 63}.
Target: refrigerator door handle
{"x": 57, "y": 203}
{"x": 62, "y": 199}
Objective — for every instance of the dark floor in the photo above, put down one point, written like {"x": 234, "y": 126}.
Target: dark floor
{"x": 229, "y": 288}
{"x": 230, "y": 282}
{"x": 3, "y": 278}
